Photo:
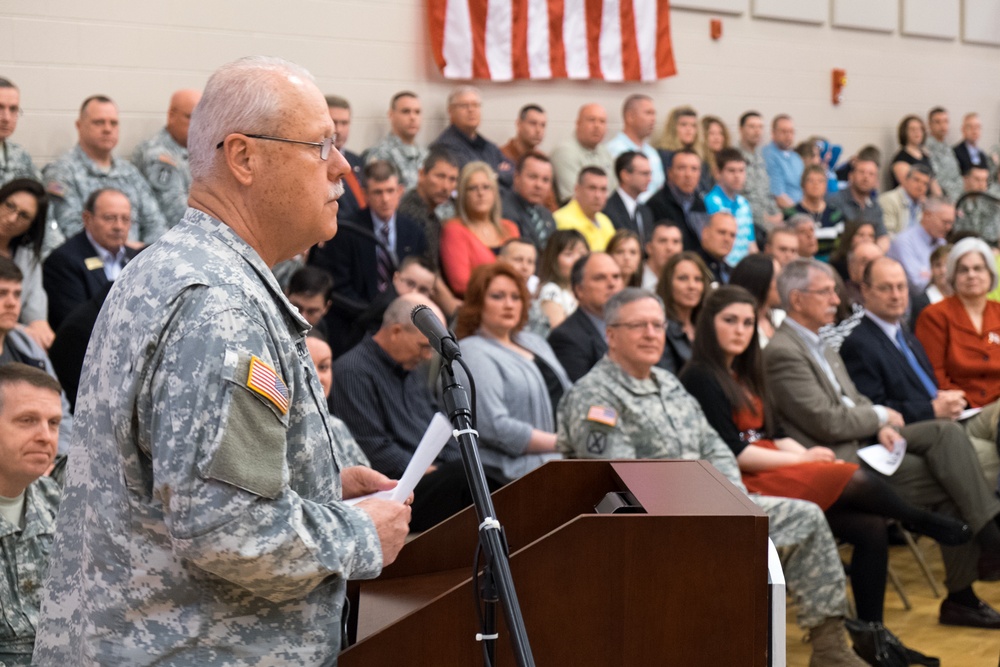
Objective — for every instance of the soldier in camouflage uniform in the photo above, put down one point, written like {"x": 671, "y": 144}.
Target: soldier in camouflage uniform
{"x": 203, "y": 520}
{"x": 163, "y": 158}
{"x": 757, "y": 189}
{"x": 626, "y": 408}
{"x": 399, "y": 146}
{"x": 30, "y": 501}
{"x": 942, "y": 156}
{"x": 89, "y": 166}
{"x": 978, "y": 214}
{"x": 14, "y": 160}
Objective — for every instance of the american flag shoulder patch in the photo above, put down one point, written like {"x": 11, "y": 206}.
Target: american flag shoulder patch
{"x": 266, "y": 382}
{"x": 602, "y": 415}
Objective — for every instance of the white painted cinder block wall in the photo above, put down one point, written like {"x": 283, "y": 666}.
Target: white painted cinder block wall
{"x": 138, "y": 51}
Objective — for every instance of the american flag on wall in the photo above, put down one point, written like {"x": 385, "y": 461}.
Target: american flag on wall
{"x": 501, "y": 40}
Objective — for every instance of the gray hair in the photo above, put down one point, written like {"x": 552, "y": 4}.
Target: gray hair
{"x": 239, "y": 97}
{"x": 935, "y": 204}
{"x": 798, "y": 219}
{"x": 624, "y": 298}
{"x": 918, "y": 168}
{"x": 797, "y": 275}
{"x": 462, "y": 90}
{"x": 963, "y": 248}
{"x": 398, "y": 312}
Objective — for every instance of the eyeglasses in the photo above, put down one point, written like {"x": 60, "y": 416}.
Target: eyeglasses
{"x": 11, "y": 207}
{"x": 641, "y": 326}
{"x": 324, "y": 146}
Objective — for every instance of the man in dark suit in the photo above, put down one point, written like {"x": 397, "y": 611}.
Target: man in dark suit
{"x": 678, "y": 199}
{"x": 580, "y": 341}
{"x": 80, "y": 268}
{"x": 716, "y": 243}
{"x": 967, "y": 152}
{"x": 353, "y": 199}
{"x": 634, "y": 174}
{"x": 816, "y": 402}
{"x": 363, "y": 256}
{"x": 888, "y": 365}
{"x": 525, "y": 204}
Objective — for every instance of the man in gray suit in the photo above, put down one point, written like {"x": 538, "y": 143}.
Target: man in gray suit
{"x": 816, "y": 403}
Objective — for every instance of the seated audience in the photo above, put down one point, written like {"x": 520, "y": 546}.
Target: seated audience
{"x": 664, "y": 243}
{"x": 857, "y": 201}
{"x": 849, "y": 309}
{"x": 380, "y": 391}
{"x": 23, "y": 210}
{"x": 683, "y": 284}
{"x": 717, "y": 240}
{"x": 813, "y": 202}
{"x": 475, "y": 235}
{"x": 967, "y": 151}
{"x": 638, "y": 124}
{"x": 979, "y": 215}
{"x": 555, "y": 294}
{"x": 816, "y": 403}
{"x": 726, "y": 197}
{"x": 961, "y": 333}
{"x": 353, "y": 199}
{"x": 523, "y": 257}
{"x": 525, "y": 205}
{"x": 80, "y": 268}
{"x": 311, "y": 291}
{"x": 805, "y": 230}
{"x": 400, "y": 145}
{"x": 415, "y": 274}
{"x": 17, "y": 162}
{"x": 855, "y": 233}
{"x": 716, "y": 139}
{"x": 913, "y": 246}
{"x": 944, "y": 164}
{"x": 349, "y": 451}
{"x": 912, "y": 134}
{"x": 889, "y": 366}
{"x": 653, "y": 417}
{"x": 518, "y": 378}
{"x": 462, "y": 139}
{"x": 682, "y": 132}
{"x": 903, "y": 205}
{"x": 758, "y": 274}
{"x": 436, "y": 180}
{"x": 678, "y": 199}
{"x": 625, "y": 249}
{"x": 623, "y": 207}
{"x": 937, "y": 289}
{"x": 725, "y": 376}
{"x": 584, "y": 148}
{"x": 362, "y": 257}
{"x": 30, "y": 415}
{"x": 783, "y": 244}
{"x": 69, "y": 349}
{"x": 530, "y": 126}
{"x": 758, "y": 186}
{"x": 784, "y": 165}
{"x": 583, "y": 212}
{"x": 579, "y": 342}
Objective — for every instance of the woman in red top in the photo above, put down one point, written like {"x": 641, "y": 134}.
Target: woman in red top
{"x": 475, "y": 236}
{"x": 725, "y": 375}
{"x": 961, "y": 334}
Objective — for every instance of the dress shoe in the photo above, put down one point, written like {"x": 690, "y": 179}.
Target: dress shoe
{"x": 980, "y": 616}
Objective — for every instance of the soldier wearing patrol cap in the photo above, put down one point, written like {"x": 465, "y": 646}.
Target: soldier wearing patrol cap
{"x": 626, "y": 408}
{"x": 204, "y": 519}
{"x": 163, "y": 158}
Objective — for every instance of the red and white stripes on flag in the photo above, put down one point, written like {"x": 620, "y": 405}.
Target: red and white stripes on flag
{"x": 501, "y": 40}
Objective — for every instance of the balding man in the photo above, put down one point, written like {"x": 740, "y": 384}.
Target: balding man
{"x": 15, "y": 162}
{"x": 163, "y": 158}
{"x": 913, "y": 247}
{"x": 90, "y": 166}
{"x": 584, "y": 149}
{"x": 639, "y": 121}
{"x": 204, "y": 487}
{"x": 717, "y": 239}
{"x": 462, "y": 139}
{"x": 381, "y": 392}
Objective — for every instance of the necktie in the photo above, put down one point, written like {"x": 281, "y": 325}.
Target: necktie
{"x": 382, "y": 257}
{"x": 359, "y": 194}
{"x": 637, "y": 220}
{"x": 915, "y": 365}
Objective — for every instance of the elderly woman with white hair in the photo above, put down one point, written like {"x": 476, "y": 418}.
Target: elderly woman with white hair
{"x": 961, "y": 333}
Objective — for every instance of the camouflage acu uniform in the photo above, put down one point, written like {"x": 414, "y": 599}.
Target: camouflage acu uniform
{"x": 164, "y": 164}
{"x": 757, "y": 189}
{"x": 979, "y": 215}
{"x": 610, "y": 414}
{"x": 945, "y": 166}
{"x": 203, "y": 521}
{"x": 348, "y": 448}
{"x": 408, "y": 158}
{"x": 24, "y": 558}
{"x": 16, "y": 163}
{"x": 70, "y": 180}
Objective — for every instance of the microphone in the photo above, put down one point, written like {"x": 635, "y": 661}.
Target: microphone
{"x": 440, "y": 338}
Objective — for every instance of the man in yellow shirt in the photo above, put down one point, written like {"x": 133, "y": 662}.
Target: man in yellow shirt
{"x": 583, "y": 212}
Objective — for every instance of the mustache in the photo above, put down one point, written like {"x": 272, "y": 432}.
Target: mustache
{"x": 336, "y": 190}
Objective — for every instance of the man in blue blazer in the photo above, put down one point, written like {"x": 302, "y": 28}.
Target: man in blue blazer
{"x": 366, "y": 252}
{"x": 87, "y": 263}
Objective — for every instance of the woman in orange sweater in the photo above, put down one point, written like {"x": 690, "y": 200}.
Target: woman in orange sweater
{"x": 961, "y": 334}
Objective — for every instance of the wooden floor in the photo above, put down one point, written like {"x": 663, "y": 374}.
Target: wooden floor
{"x": 918, "y": 628}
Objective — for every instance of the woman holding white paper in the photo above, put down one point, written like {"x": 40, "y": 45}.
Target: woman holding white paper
{"x": 518, "y": 378}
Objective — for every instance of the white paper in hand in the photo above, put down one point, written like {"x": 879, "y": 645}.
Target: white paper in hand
{"x": 435, "y": 438}
{"x": 882, "y": 459}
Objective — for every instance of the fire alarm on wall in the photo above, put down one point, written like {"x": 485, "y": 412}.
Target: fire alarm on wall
{"x": 716, "y": 28}
{"x": 839, "y": 81}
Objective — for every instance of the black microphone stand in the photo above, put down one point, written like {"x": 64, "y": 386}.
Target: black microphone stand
{"x": 497, "y": 579}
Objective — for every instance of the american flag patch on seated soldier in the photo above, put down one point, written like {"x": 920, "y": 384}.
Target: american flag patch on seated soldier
{"x": 602, "y": 415}
{"x": 263, "y": 380}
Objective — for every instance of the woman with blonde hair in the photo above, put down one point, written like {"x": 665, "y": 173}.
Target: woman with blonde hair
{"x": 681, "y": 131}
{"x": 715, "y": 136}
{"x": 477, "y": 232}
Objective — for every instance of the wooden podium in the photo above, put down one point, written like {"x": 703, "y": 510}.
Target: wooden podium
{"x": 683, "y": 584}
